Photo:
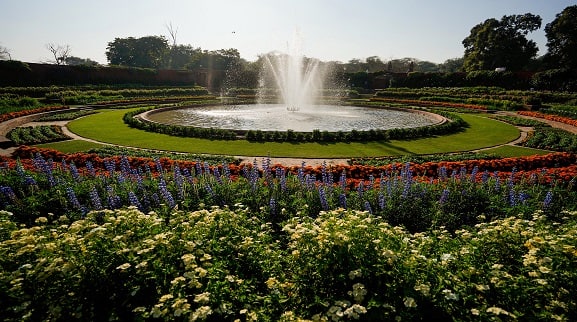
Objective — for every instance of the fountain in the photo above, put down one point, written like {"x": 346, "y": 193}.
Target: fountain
{"x": 295, "y": 83}
{"x": 297, "y": 79}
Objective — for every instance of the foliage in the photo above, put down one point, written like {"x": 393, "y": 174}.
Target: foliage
{"x": 110, "y": 151}
{"x": 145, "y": 52}
{"x": 501, "y": 43}
{"x": 553, "y": 139}
{"x": 519, "y": 121}
{"x": 14, "y": 65}
{"x": 24, "y": 112}
{"x": 14, "y": 103}
{"x": 555, "y": 80}
{"x": 87, "y": 181}
{"x": 561, "y": 36}
{"x": 66, "y": 116}
{"x": 232, "y": 263}
{"x": 36, "y": 134}
{"x": 422, "y": 158}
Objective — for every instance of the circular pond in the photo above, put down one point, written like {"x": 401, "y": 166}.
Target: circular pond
{"x": 276, "y": 117}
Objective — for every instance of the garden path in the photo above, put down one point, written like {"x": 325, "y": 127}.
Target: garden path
{"x": 7, "y": 148}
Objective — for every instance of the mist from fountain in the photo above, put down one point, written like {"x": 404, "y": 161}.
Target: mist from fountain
{"x": 297, "y": 80}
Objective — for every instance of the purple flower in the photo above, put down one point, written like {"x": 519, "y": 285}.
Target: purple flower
{"x": 343, "y": 200}
{"x": 360, "y": 189}
{"x": 512, "y": 198}
{"x": 113, "y": 199}
{"x": 444, "y": 196}
{"x": 124, "y": 165}
{"x": 323, "y": 198}
{"x": 158, "y": 166}
{"x": 523, "y": 197}
{"x": 8, "y": 193}
{"x": 166, "y": 195}
{"x": 272, "y": 206}
{"x": 110, "y": 166}
{"x": 343, "y": 180}
{"x": 368, "y": 207}
{"x": 95, "y": 199}
{"x": 29, "y": 181}
{"x": 474, "y": 173}
{"x": 72, "y": 198}
{"x": 133, "y": 199}
{"x": 443, "y": 173}
{"x": 74, "y": 172}
{"x": 226, "y": 170}
{"x": 548, "y": 199}
{"x": 381, "y": 200}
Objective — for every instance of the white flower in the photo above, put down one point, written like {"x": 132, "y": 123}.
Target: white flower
{"x": 202, "y": 298}
{"x": 449, "y": 295}
{"x": 124, "y": 266}
{"x": 409, "y": 302}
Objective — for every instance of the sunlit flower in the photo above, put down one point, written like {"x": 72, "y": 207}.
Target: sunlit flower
{"x": 358, "y": 293}
{"x": 201, "y": 313}
{"x": 423, "y": 288}
{"x": 449, "y": 295}
{"x": 202, "y": 298}
{"x": 124, "y": 266}
{"x": 409, "y": 302}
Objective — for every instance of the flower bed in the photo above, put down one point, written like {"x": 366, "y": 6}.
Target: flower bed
{"x": 227, "y": 264}
{"x": 12, "y": 115}
{"x": 550, "y": 117}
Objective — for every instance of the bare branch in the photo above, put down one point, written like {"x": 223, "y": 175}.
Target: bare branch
{"x": 172, "y": 31}
{"x": 59, "y": 52}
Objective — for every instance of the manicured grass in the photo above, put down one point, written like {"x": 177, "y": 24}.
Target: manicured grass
{"x": 107, "y": 126}
{"x": 507, "y": 151}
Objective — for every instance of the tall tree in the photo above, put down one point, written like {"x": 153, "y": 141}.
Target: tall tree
{"x": 561, "y": 36}
{"x": 452, "y": 65}
{"x": 501, "y": 43}
{"x": 147, "y": 52}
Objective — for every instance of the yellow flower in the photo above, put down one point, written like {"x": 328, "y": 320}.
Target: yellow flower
{"x": 201, "y": 313}
{"x": 423, "y": 288}
{"x": 202, "y": 298}
{"x": 482, "y": 287}
{"x": 124, "y": 266}
{"x": 271, "y": 282}
{"x": 41, "y": 220}
{"x": 409, "y": 302}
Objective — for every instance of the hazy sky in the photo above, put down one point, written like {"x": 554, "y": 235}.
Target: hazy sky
{"x": 338, "y": 30}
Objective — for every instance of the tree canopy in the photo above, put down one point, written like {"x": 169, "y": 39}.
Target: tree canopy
{"x": 501, "y": 43}
{"x": 146, "y": 52}
{"x": 561, "y": 36}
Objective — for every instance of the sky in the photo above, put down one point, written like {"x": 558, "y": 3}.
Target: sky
{"x": 330, "y": 30}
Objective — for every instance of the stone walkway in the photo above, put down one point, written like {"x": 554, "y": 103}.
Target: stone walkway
{"x": 7, "y": 148}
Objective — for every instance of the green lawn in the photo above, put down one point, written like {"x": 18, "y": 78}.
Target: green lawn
{"x": 107, "y": 126}
{"x": 515, "y": 151}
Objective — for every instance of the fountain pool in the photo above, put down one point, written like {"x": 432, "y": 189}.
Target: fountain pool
{"x": 276, "y": 117}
